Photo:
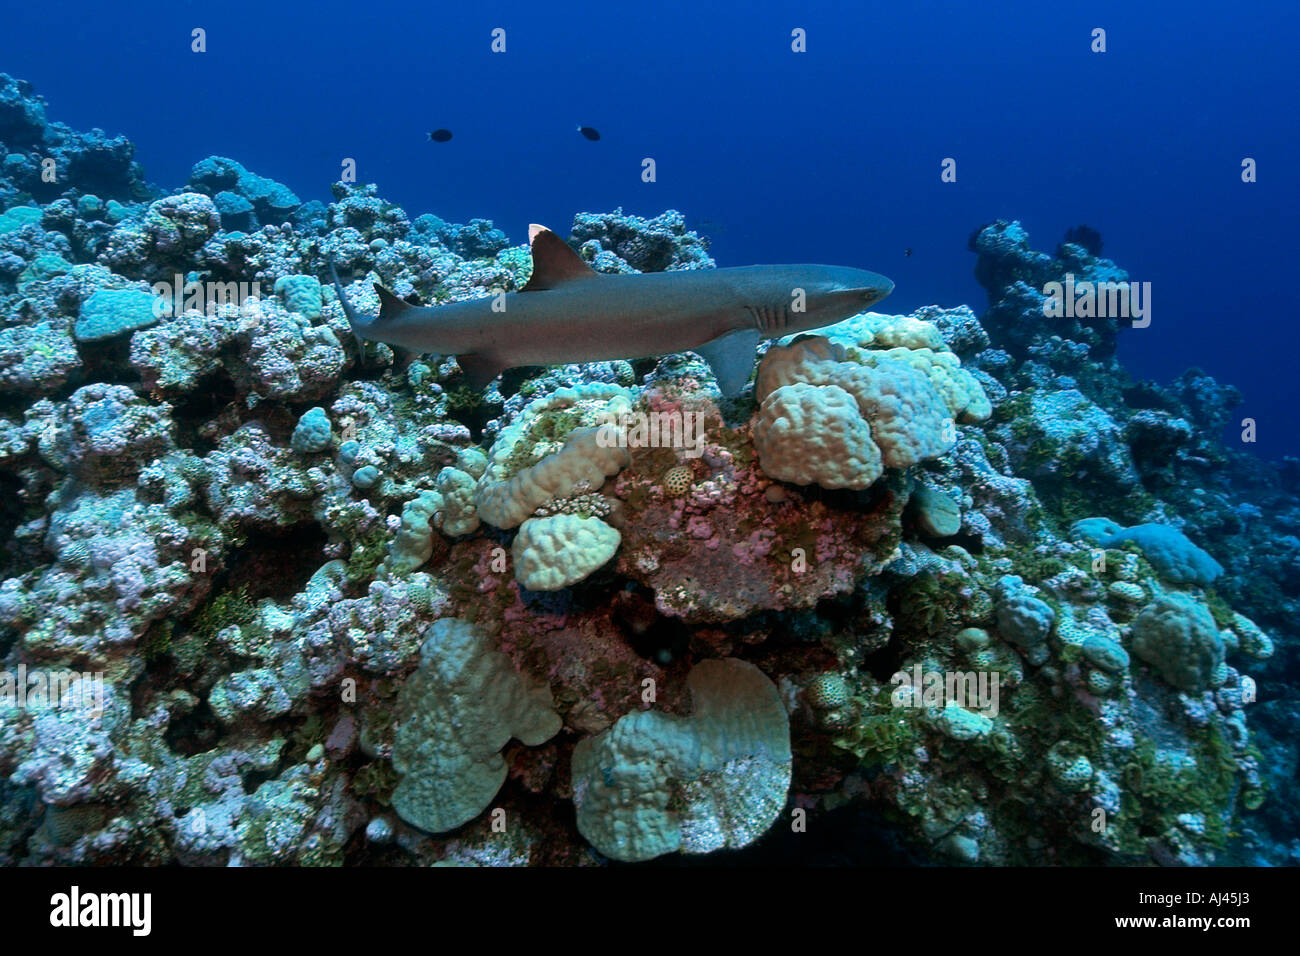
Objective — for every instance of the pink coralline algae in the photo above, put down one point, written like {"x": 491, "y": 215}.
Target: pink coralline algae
{"x": 759, "y": 545}
{"x": 752, "y": 554}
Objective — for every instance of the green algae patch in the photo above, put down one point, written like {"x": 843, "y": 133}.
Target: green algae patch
{"x": 227, "y": 609}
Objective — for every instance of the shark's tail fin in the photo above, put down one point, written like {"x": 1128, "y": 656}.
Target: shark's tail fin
{"x": 356, "y": 324}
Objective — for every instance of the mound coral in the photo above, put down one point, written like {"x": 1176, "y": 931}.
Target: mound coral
{"x": 553, "y": 552}
{"x": 656, "y": 784}
{"x": 1178, "y": 637}
{"x": 833, "y": 416}
{"x": 455, "y": 713}
{"x": 528, "y": 468}
{"x": 808, "y": 434}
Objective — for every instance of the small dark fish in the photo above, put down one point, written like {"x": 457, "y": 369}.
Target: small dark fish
{"x": 440, "y": 135}
{"x": 590, "y": 133}
{"x": 908, "y": 252}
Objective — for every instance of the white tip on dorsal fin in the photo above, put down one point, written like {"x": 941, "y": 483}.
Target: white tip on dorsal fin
{"x": 554, "y": 263}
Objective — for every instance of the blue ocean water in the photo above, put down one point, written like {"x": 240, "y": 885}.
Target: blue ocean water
{"x": 832, "y": 155}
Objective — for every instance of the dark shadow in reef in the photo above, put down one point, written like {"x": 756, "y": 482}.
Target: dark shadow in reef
{"x": 107, "y": 361}
{"x": 214, "y": 393}
{"x": 272, "y": 563}
{"x": 276, "y": 562}
{"x": 194, "y": 733}
{"x": 11, "y": 515}
{"x": 468, "y": 407}
{"x": 848, "y": 836}
{"x": 886, "y": 662}
{"x": 652, "y": 635}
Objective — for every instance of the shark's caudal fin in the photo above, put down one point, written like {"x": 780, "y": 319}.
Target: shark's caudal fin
{"x": 554, "y": 263}
{"x": 390, "y": 307}
{"x": 356, "y": 324}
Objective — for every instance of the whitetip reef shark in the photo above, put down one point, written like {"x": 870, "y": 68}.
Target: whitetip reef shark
{"x": 568, "y": 313}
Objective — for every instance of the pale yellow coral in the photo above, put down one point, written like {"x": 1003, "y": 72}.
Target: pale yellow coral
{"x": 807, "y": 434}
{"x": 909, "y": 420}
{"x": 508, "y": 493}
{"x": 963, "y": 395}
{"x": 556, "y": 551}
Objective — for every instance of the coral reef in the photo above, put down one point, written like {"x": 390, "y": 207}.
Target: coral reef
{"x": 341, "y": 608}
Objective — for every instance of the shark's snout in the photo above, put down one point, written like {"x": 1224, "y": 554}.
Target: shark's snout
{"x": 872, "y": 287}
{"x": 869, "y": 286}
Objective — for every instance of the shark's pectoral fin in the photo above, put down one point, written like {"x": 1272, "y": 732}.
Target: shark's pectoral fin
{"x": 554, "y": 263}
{"x": 731, "y": 357}
{"x": 480, "y": 370}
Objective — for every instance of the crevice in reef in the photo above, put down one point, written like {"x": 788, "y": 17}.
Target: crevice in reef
{"x": 276, "y": 562}
{"x": 271, "y": 563}
{"x": 467, "y": 406}
{"x": 651, "y": 634}
{"x": 11, "y": 515}
{"x": 194, "y": 733}
{"x": 109, "y": 362}
{"x": 886, "y": 662}
{"x": 970, "y": 543}
{"x": 214, "y": 393}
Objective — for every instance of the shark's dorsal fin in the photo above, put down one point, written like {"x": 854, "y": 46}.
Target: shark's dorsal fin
{"x": 731, "y": 357}
{"x": 390, "y": 306}
{"x": 554, "y": 263}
